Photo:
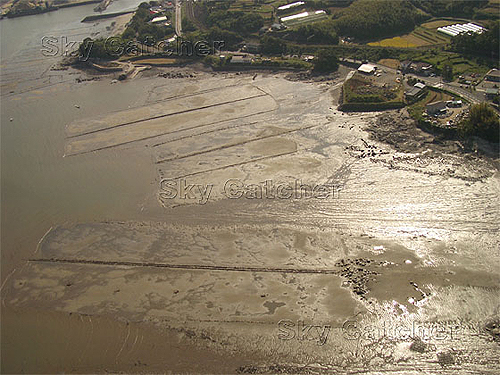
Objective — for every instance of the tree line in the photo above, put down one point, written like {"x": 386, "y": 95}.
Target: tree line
{"x": 450, "y": 8}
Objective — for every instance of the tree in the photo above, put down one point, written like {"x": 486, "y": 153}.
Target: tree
{"x": 486, "y": 43}
{"x": 483, "y": 122}
{"x": 235, "y": 21}
{"x": 463, "y": 8}
{"x": 187, "y": 25}
{"x": 371, "y": 19}
{"x": 317, "y": 33}
{"x": 229, "y": 38}
{"x": 326, "y": 61}
{"x": 272, "y": 46}
{"x": 447, "y": 71}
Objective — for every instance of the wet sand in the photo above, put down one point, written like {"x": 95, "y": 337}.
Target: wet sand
{"x": 407, "y": 236}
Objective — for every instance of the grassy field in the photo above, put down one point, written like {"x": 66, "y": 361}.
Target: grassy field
{"x": 423, "y": 35}
{"x": 360, "y": 94}
{"x": 439, "y": 23}
{"x": 460, "y": 64}
{"x": 433, "y": 36}
{"x": 266, "y": 9}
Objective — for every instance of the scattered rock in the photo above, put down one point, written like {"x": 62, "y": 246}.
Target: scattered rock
{"x": 357, "y": 274}
{"x": 177, "y": 75}
{"x": 446, "y": 358}
{"x": 493, "y": 328}
{"x": 418, "y": 346}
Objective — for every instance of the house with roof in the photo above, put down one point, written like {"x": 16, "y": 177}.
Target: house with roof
{"x": 491, "y": 93}
{"x": 367, "y": 68}
{"x": 404, "y": 66}
{"x": 416, "y": 92}
{"x": 493, "y": 75}
{"x": 435, "y": 107}
{"x": 420, "y": 68}
{"x": 241, "y": 59}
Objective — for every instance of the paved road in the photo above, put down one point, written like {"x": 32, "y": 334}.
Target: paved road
{"x": 473, "y": 97}
{"x": 178, "y": 18}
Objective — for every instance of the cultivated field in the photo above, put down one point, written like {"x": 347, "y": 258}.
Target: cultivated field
{"x": 398, "y": 41}
{"x": 423, "y": 35}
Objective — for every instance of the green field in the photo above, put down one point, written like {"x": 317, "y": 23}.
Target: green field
{"x": 266, "y": 10}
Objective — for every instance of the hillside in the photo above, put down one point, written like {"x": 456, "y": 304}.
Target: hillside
{"x": 369, "y": 19}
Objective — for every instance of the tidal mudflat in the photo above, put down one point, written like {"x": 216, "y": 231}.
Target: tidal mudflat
{"x": 260, "y": 231}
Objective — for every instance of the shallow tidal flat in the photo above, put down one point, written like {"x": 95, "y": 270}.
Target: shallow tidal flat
{"x": 399, "y": 239}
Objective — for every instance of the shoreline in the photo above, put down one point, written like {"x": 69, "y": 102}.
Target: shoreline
{"x": 51, "y": 8}
{"x": 447, "y": 141}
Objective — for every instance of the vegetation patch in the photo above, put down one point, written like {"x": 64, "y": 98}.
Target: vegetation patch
{"x": 370, "y": 19}
{"x": 482, "y": 121}
{"x": 390, "y": 63}
{"x": 434, "y": 24}
{"x": 360, "y": 94}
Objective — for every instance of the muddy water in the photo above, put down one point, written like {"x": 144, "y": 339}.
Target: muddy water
{"x": 40, "y": 101}
{"x": 40, "y": 187}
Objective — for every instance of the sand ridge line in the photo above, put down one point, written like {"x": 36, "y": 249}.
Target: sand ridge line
{"x": 166, "y": 115}
{"x": 236, "y": 164}
{"x": 231, "y": 127}
{"x": 185, "y": 266}
{"x": 235, "y": 144}
{"x": 171, "y": 132}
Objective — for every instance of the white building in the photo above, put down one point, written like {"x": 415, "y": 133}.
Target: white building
{"x": 302, "y": 15}
{"x": 454, "y": 30}
{"x": 367, "y": 69}
{"x": 161, "y": 19}
{"x": 291, "y": 5}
